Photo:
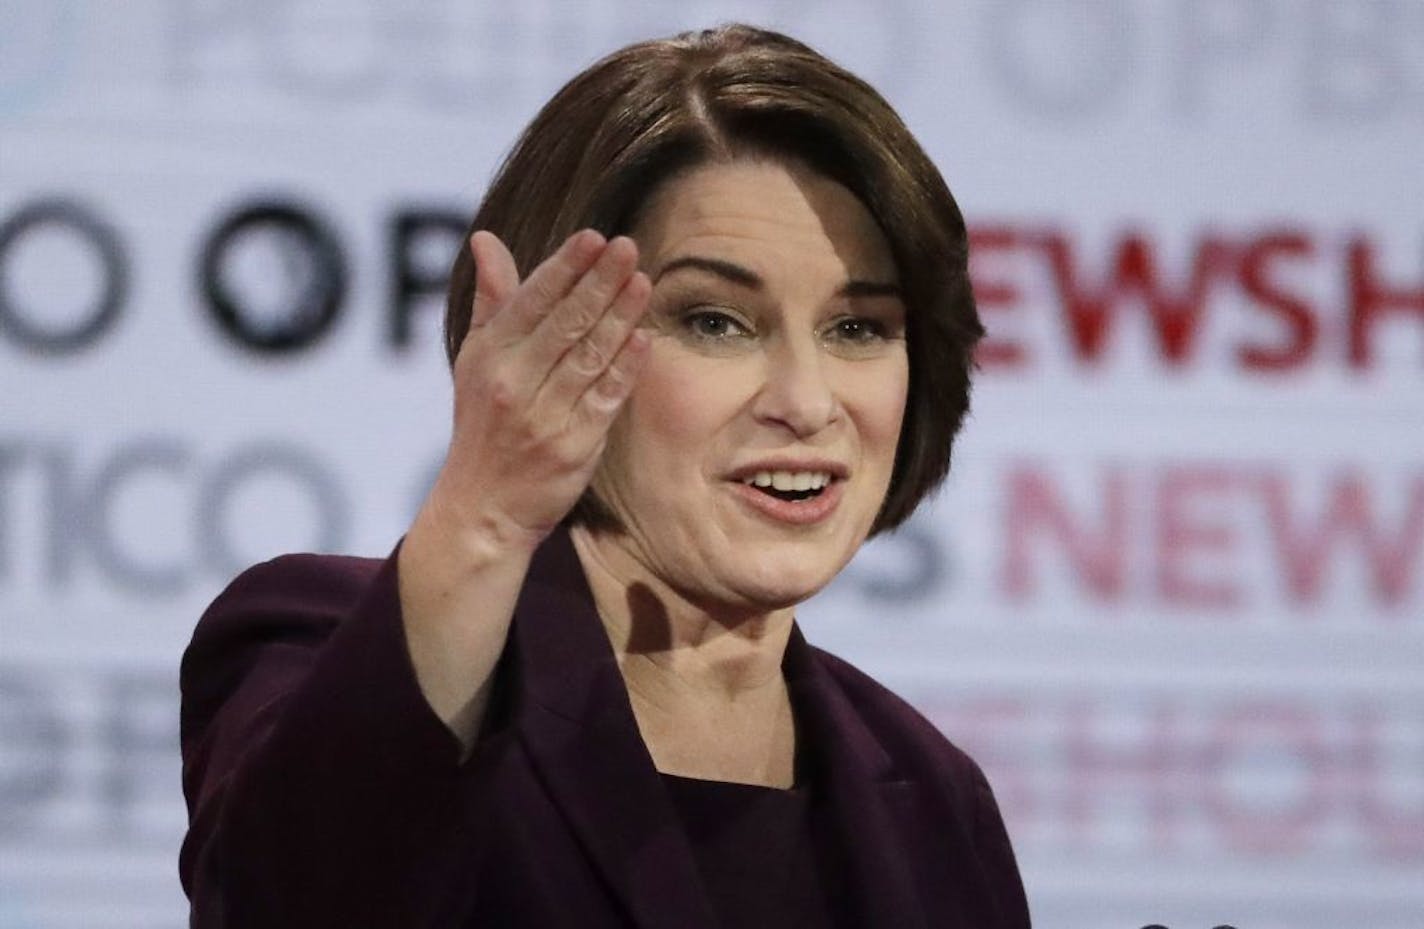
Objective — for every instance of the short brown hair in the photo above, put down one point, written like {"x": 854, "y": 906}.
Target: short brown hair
{"x": 595, "y": 153}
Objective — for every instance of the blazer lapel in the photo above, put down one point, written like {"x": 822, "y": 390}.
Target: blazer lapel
{"x": 573, "y": 715}
{"x": 574, "y": 718}
{"x": 872, "y": 810}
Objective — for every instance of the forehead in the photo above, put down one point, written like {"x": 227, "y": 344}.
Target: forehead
{"x": 764, "y": 213}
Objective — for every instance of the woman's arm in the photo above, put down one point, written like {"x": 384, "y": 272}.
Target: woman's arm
{"x": 327, "y": 706}
{"x": 539, "y": 377}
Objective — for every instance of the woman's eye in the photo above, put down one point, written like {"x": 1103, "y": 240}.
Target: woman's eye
{"x": 711, "y": 324}
{"x": 858, "y": 329}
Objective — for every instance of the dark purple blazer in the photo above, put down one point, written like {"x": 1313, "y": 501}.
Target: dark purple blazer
{"x": 323, "y": 791}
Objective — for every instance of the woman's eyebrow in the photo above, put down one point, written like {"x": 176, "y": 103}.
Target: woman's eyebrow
{"x": 870, "y": 289}
{"x": 724, "y": 269}
{"x": 746, "y": 277}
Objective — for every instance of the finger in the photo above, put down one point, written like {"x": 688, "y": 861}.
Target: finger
{"x": 606, "y": 395}
{"x": 551, "y": 282}
{"x": 577, "y": 314}
{"x": 496, "y": 277}
{"x": 586, "y": 361}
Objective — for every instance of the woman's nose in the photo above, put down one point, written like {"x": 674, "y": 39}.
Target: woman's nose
{"x": 797, "y": 392}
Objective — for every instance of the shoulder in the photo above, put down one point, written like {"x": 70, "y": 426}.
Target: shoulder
{"x": 956, "y": 789}
{"x": 300, "y": 581}
{"x": 902, "y": 730}
{"x": 273, "y": 615}
{"x": 291, "y": 596}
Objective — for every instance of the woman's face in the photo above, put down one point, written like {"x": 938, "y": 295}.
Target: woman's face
{"x": 755, "y": 452}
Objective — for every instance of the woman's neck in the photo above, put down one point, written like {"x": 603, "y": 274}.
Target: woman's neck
{"x": 705, "y": 684}
{"x": 672, "y": 650}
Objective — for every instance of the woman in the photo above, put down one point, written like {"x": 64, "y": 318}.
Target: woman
{"x": 576, "y": 695}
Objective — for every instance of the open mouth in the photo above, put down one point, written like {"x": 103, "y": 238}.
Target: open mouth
{"x": 794, "y": 496}
{"x": 791, "y": 486}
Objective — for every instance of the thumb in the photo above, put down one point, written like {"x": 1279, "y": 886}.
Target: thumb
{"x": 496, "y": 277}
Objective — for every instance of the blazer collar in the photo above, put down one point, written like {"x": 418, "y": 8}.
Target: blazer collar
{"x": 573, "y": 714}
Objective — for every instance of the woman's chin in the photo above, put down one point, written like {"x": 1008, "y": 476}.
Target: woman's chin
{"x": 778, "y": 587}
{"x": 726, "y": 572}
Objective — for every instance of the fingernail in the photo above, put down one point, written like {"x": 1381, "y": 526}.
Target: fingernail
{"x": 586, "y": 240}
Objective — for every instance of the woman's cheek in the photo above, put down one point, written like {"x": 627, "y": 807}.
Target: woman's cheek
{"x": 682, "y": 399}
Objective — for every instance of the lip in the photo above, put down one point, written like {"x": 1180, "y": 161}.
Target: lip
{"x": 800, "y": 513}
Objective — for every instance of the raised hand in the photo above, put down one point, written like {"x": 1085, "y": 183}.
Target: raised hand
{"x": 545, "y": 367}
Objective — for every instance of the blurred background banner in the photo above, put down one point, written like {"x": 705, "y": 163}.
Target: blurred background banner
{"x": 1172, "y": 596}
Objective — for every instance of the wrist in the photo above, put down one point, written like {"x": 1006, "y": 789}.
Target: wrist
{"x": 470, "y": 535}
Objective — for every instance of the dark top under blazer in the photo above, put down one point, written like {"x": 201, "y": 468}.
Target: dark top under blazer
{"x": 323, "y": 791}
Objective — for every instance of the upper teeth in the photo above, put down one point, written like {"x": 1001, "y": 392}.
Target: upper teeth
{"x": 789, "y": 480}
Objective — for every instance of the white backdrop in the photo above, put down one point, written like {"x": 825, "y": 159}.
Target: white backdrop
{"x": 1172, "y": 597}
